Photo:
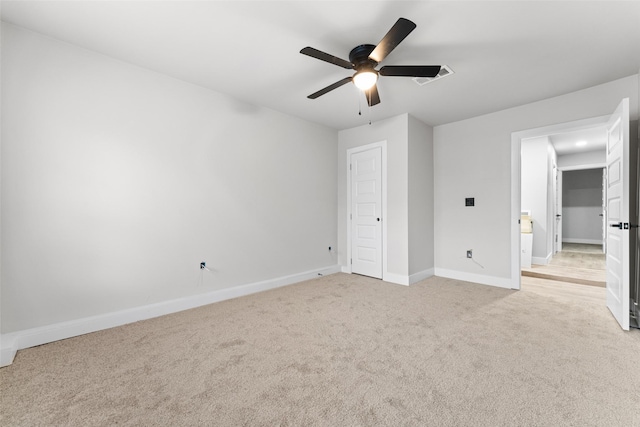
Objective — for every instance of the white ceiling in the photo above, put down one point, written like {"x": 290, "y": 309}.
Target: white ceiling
{"x": 595, "y": 139}
{"x": 503, "y": 53}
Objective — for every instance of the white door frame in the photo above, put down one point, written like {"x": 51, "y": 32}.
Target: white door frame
{"x": 604, "y": 209}
{"x": 557, "y": 209}
{"x": 516, "y": 149}
{"x": 350, "y": 151}
{"x": 590, "y": 166}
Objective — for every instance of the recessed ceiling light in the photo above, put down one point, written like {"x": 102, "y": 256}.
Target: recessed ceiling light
{"x": 581, "y": 143}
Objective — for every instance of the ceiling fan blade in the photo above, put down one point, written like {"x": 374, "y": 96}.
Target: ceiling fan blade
{"x": 373, "y": 98}
{"x": 315, "y": 53}
{"x": 410, "y": 70}
{"x": 330, "y": 88}
{"x": 396, "y": 34}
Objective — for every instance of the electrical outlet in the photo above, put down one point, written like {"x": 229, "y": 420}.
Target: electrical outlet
{"x": 470, "y": 253}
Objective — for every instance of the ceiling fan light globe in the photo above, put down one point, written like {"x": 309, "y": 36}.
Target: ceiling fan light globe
{"x": 365, "y": 79}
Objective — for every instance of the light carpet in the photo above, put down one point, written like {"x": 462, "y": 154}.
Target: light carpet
{"x": 345, "y": 350}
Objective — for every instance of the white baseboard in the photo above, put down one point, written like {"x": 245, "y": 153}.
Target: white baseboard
{"x": 583, "y": 241}
{"x": 398, "y": 279}
{"x": 8, "y": 349}
{"x": 12, "y": 342}
{"x": 541, "y": 261}
{"x": 500, "y": 282}
{"x": 416, "y": 277}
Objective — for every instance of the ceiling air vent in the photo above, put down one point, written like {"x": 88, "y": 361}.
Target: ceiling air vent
{"x": 444, "y": 72}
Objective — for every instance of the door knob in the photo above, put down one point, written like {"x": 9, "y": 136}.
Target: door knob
{"x": 618, "y": 225}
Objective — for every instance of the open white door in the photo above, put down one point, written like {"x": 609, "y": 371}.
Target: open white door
{"x": 618, "y": 214}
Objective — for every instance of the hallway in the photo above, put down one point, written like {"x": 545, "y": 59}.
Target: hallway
{"x": 577, "y": 263}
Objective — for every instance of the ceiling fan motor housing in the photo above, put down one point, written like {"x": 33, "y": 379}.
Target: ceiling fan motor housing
{"x": 359, "y": 57}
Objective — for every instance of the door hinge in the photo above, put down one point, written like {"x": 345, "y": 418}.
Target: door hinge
{"x": 349, "y": 166}
{"x": 351, "y": 261}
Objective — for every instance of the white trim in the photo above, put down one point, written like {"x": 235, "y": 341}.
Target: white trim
{"x": 583, "y": 241}
{"x": 575, "y": 125}
{"x": 516, "y": 144}
{"x": 401, "y": 279}
{"x": 12, "y": 342}
{"x": 351, "y": 151}
{"x": 8, "y": 349}
{"x": 500, "y": 282}
{"x": 516, "y": 210}
{"x": 540, "y": 260}
{"x": 421, "y": 275}
{"x": 583, "y": 167}
{"x": 398, "y": 279}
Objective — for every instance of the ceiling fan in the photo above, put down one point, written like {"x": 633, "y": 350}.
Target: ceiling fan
{"x": 366, "y": 57}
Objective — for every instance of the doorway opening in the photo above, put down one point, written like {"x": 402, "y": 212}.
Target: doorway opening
{"x": 563, "y": 187}
{"x": 621, "y": 193}
{"x": 546, "y": 179}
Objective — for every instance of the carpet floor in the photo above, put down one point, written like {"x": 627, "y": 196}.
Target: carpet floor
{"x": 345, "y": 350}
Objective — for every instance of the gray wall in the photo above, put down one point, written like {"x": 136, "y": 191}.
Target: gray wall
{"x": 473, "y": 158}
{"x": 112, "y": 195}
{"x": 117, "y": 181}
{"x": 536, "y": 191}
{"x": 410, "y": 184}
{"x": 395, "y": 132}
{"x": 421, "y": 223}
{"x": 582, "y": 206}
